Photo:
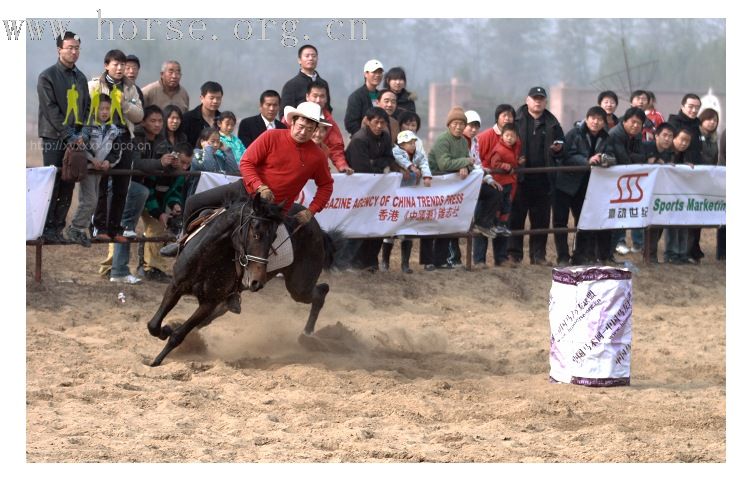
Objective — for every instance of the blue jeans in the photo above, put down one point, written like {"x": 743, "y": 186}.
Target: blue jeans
{"x": 638, "y": 237}
{"x": 134, "y": 206}
{"x": 676, "y": 244}
{"x": 480, "y": 244}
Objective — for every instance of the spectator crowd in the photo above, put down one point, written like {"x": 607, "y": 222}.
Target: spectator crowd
{"x": 153, "y": 129}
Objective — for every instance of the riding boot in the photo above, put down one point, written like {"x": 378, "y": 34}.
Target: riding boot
{"x": 406, "y": 247}
{"x": 171, "y": 250}
{"x": 386, "y": 252}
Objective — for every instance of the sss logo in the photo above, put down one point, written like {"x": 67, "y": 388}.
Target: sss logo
{"x": 629, "y": 188}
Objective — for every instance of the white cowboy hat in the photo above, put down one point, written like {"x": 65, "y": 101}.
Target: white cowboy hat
{"x": 308, "y": 110}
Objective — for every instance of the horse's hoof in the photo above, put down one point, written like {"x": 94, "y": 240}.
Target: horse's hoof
{"x": 311, "y": 342}
{"x": 155, "y": 363}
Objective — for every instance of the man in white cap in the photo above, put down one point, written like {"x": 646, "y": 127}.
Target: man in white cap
{"x": 364, "y": 97}
{"x": 276, "y": 166}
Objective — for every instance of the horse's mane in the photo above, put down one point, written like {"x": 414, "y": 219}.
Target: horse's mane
{"x": 239, "y": 201}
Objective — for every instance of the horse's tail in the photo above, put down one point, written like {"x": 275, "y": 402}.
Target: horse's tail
{"x": 333, "y": 242}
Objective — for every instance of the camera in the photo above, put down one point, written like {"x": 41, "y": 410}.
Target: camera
{"x": 607, "y": 159}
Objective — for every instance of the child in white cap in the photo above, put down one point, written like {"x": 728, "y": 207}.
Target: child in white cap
{"x": 408, "y": 157}
{"x": 415, "y": 166}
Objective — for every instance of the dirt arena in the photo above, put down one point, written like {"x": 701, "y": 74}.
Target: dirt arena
{"x": 447, "y": 366}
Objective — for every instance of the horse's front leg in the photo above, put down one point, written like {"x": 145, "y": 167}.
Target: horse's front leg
{"x": 204, "y": 310}
{"x": 318, "y": 296}
{"x": 169, "y": 300}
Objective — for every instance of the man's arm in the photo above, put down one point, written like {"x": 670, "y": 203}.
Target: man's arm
{"x": 244, "y": 132}
{"x": 250, "y": 161}
{"x": 49, "y": 106}
{"x": 354, "y": 113}
{"x": 324, "y": 186}
{"x": 336, "y": 145}
{"x": 444, "y": 159}
{"x": 287, "y": 97}
{"x": 573, "y": 156}
{"x": 132, "y": 106}
{"x": 387, "y": 159}
{"x": 357, "y": 156}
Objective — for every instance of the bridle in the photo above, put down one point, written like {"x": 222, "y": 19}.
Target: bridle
{"x": 244, "y": 259}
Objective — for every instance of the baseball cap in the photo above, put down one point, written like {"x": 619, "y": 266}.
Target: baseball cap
{"x": 472, "y": 117}
{"x": 537, "y": 91}
{"x": 372, "y": 66}
{"x": 406, "y": 136}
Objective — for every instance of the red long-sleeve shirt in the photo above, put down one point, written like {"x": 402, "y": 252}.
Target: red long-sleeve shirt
{"x": 335, "y": 143}
{"x": 284, "y": 165}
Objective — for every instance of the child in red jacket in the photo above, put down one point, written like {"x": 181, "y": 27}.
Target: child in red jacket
{"x": 504, "y": 160}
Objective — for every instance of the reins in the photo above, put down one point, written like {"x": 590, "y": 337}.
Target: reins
{"x": 244, "y": 259}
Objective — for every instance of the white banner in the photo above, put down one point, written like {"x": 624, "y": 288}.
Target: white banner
{"x": 636, "y": 196}
{"x": 210, "y": 180}
{"x": 39, "y": 185}
{"x": 373, "y": 205}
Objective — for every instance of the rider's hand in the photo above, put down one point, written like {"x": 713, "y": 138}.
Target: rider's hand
{"x": 304, "y": 216}
{"x": 265, "y": 193}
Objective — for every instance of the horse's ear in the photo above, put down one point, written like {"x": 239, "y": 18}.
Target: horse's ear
{"x": 256, "y": 202}
{"x": 281, "y": 205}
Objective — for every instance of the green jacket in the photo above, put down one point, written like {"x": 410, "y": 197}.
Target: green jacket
{"x": 166, "y": 192}
{"x": 449, "y": 154}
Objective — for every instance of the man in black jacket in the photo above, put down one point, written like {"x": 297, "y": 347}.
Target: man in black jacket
{"x": 661, "y": 151}
{"x": 542, "y": 144}
{"x": 294, "y": 91}
{"x": 687, "y": 119}
{"x": 369, "y": 151}
{"x": 628, "y": 148}
{"x": 205, "y": 114}
{"x": 251, "y": 128}
{"x": 585, "y": 145}
{"x": 364, "y": 97}
{"x": 63, "y": 107}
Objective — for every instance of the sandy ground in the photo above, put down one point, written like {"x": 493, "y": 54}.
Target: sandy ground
{"x": 447, "y": 366}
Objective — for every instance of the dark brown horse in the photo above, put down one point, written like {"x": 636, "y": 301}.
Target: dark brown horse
{"x": 211, "y": 265}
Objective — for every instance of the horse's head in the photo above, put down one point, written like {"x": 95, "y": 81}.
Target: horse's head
{"x": 253, "y": 237}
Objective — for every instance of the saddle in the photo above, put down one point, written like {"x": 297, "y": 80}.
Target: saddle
{"x": 195, "y": 226}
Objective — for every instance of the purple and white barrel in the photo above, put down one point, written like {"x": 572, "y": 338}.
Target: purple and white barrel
{"x": 590, "y": 313}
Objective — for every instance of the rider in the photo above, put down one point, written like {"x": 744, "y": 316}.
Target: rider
{"x": 276, "y": 166}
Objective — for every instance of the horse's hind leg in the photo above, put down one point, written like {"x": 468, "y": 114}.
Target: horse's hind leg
{"x": 204, "y": 310}
{"x": 169, "y": 300}
{"x": 318, "y": 296}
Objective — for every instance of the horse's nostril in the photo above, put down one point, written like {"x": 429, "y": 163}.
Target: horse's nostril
{"x": 256, "y": 285}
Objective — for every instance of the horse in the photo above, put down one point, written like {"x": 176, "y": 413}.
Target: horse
{"x": 239, "y": 239}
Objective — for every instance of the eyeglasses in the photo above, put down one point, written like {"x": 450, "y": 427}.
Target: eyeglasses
{"x": 72, "y": 49}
